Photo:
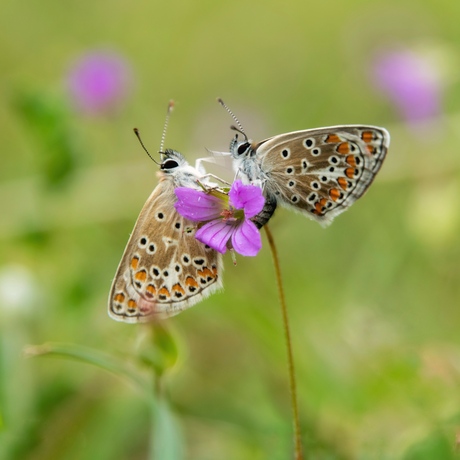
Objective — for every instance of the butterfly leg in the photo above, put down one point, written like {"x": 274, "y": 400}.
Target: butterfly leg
{"x": 213, "y": 176}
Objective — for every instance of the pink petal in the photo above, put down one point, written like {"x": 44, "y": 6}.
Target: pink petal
{"x": 216, "y": 234}
{"x": 247, "y": 197}
{"x": 196, "y": 205}
{"x": 246, "y": 239}
{"x": 99, "y": 81}
{"x": 411, "y": 81}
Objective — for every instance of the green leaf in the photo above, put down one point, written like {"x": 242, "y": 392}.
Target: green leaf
{"x": 167, "y": 440}
{"x": 93, "y": 357}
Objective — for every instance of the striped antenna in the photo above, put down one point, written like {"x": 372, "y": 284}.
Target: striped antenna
{"x": 240, "y": 127}
{"x": 163, "y": 136}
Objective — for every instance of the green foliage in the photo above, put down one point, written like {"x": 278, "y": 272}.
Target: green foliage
{"x": 47, "y": 120}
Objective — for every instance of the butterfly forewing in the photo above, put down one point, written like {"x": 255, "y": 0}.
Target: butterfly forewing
{"x": 321, "y": 172}
{"x": 164, "y": 269}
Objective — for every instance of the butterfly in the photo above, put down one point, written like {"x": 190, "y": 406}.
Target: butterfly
{"x": 164, "y": 269}
{"x": 317, "y": 172}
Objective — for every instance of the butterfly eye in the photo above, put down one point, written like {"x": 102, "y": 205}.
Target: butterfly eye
{"x": 243, "y": 148}
{"x": 169, "y": 164}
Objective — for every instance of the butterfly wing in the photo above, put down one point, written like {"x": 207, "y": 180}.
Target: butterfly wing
{"x": 164, "y": 269}
{"x": 322, "y": 172}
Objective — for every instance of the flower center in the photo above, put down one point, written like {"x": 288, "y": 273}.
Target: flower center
{"x": 232, "y": 214}
{"x": 226, "y": 214}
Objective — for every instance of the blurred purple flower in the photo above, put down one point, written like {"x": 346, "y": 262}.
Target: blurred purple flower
{"x": 411, "y": 81}
{"x": 99, "y": 82}
{"x": 227, "y": 217}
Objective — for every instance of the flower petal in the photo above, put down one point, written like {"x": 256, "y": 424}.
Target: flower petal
{"x": 246, "y": 239}
{"x": 99, "y": 82}
{"x": 216, "y": 234}
{"x": 247, "y": 197}
{"x": 412, "y": 81}
{"x": 196, "y": 205}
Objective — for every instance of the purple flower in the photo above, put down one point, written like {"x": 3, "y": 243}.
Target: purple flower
{"x": 412, "y": 81}
{"x": 225, "y": 217}
{"x": 99, "y": 82}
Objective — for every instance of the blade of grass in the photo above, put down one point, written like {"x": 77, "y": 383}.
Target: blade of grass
{"x": 93, "y": 357}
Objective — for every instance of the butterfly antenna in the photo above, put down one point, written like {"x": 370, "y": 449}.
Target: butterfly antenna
{"x": 163, "y": 136}
{"x": 238, "y": 128}
{"x": 136, "y": 132}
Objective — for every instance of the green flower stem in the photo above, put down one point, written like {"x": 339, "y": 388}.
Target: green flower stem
{"x": 93, "y": 357}
{"x": 298, "y": 454}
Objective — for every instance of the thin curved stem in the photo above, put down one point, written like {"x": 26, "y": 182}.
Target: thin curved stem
{"x": 298, "y": 454}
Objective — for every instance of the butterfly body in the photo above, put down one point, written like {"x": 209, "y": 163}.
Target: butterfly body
{"x": 164, "y": 269}
{"x": 317, "y": 172}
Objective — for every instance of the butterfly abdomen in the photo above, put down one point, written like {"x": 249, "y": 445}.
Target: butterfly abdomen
{"x": 267, "y": 212}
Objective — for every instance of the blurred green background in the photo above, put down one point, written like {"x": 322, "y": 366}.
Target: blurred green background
{"x": 373, "y": 300}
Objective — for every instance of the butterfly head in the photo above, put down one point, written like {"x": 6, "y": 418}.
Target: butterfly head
{"x": 176, "y": 168}
{"x": 171, "y": 161}
{"x": 241, "y": 149}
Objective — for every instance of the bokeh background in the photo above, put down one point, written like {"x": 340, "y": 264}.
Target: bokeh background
{"x": 373, "y": 300}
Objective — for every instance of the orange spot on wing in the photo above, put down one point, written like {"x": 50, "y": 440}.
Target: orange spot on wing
{"x": 343, "y": 148}
{"x": 342, "y": 182}
{"x": 164, "y": 292}
{"x": 351, "y": 160}
{"x": 367, "y": 136}
{"x": 214, "y": 270}
{"x": 141, "y": 275}
{"x": 206, "y": 274}
{"x": 350, "y": 172}
{"x": 332, "y": 138}
{"x": 134, "y": 262}
{"x": 132, "y": 304}
{"x": 190, "y": 281}
{"x": 334, "y": 194}
{"x": 323, "y": 201}
{"x": 318, "y": 208}
{"x": 178, "y": 288}
{"x": 151, "y": 289}
{"x": 120, "y": 297}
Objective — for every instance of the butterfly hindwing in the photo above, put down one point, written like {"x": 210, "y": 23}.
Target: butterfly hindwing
{"x": 164, "y": 269}
{"x": 320, "y": 172}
